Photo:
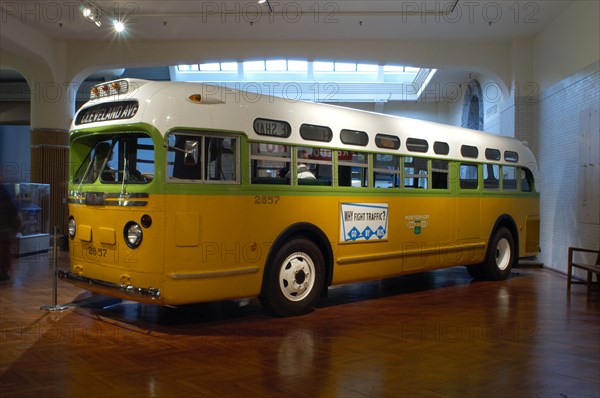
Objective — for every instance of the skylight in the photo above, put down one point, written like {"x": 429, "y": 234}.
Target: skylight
{"x": 297, "y": 66}
{"x": 393, "y": 69}
{"x": 282, "y": 65}
{"x": 320, "y": 80}
{"x": 214, "y": 67}
{"x": 319, "y": 66}
{"x": 367, "y": 68}
{"x": 187, "y": 68}
{"x": 277, "y": 65}
{"x": 254, "y": 66}
{"x": 344, "y": 67}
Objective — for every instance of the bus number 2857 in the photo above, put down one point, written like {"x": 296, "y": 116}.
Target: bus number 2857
{"x": 96, "y": 251}
{"x": 266, "y": 200}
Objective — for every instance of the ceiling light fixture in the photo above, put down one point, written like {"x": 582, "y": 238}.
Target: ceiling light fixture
{"x": 119, "y": 26}
{"x": 92, "y": 13}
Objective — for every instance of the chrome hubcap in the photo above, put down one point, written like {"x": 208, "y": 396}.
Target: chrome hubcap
{"x": 297, "y": 276}
{"x": 502, "y": 254}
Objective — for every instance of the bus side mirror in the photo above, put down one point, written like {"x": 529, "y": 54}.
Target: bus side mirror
{"x": 191, "y": 153}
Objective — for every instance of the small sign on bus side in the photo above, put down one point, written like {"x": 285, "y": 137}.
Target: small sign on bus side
{"x": 363, "y": 222}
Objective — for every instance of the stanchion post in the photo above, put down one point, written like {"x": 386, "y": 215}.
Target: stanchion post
{"x": 54, "y": 306}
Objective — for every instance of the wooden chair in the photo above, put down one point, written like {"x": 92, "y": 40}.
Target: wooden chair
{"x": 590, "y": 268}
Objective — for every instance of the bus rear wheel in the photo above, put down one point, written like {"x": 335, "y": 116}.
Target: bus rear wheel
{"x": 294, "y": 279}
{"x": 500, "y": 255}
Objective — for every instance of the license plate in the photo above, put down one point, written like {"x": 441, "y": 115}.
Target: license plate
{"x": 94, "y": 251}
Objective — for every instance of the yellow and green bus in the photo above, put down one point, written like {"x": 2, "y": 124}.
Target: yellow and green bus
{"x": 183, "y": 193}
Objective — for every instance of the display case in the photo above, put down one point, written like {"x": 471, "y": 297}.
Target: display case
{"x": 33, "y": 204}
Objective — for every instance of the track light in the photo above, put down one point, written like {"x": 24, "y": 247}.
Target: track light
{"x": 119, "y": 26}
{"x": 92, "y": 13}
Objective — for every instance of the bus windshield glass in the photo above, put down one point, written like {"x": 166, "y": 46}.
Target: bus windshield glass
{"x": 115, "y": 159}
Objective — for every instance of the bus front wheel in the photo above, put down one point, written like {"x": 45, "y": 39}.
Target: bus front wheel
{"x": 500, "y": 255}
{"x": 294, "y": 279}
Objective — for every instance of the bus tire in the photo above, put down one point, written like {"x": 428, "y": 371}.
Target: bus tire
{"x": 295, "y": 278}
{"x": 500, "y": 255}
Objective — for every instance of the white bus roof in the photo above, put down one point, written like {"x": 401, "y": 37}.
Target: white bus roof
{"x": 168, "y": 106}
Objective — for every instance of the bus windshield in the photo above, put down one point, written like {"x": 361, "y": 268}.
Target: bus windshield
{"x": 116, "y": 159}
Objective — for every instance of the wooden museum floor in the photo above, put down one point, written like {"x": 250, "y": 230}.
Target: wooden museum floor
{"x": 437, "y": 334}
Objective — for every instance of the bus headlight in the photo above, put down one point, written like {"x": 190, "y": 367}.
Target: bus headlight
{"x": 133, "y": 234}
{"x": 72, "y": 227}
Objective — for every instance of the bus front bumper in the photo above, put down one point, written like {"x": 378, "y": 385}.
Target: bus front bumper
{"x": 142, "y": 294}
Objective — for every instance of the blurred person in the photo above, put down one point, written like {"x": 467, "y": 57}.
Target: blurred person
{"x": 302, "y": 169}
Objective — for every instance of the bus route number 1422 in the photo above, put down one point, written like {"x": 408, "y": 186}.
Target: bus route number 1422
{"x": 266, "y": 200}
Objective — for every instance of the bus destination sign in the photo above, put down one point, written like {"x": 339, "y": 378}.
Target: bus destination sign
{"x": 107, "y": 112}
{"x": 273, "y": 128}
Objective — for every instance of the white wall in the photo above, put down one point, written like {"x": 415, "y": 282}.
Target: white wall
{"x": 560, "y": 126}
{"x": 430, "y": 111}
{"x": 567, "y": 70}
{"x": 568, "y": 44}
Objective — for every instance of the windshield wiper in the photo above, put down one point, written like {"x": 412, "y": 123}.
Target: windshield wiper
{"x": 124, "y": 195}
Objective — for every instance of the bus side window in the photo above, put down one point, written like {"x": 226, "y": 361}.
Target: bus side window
{"x": 220, "y": 158}
{"x": 509, "y": 178}
{"x": 415, "y": 172}
{"x": 353, "y": 168}
{"x": 202, "y": 158}
{"x": 526, "y": 180}
{"x": 179, "y": 160}
{"x": 270, "y": 163}
{"x": 314, "y": 166}
{"x": 491, "y": 176}
{"x": 468, "y": 176}
{"x": 386, "y": 171}
{"x": 439, "y": 174}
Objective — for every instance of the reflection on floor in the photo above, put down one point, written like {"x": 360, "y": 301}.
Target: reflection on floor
{"x": 437, "y": 334}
